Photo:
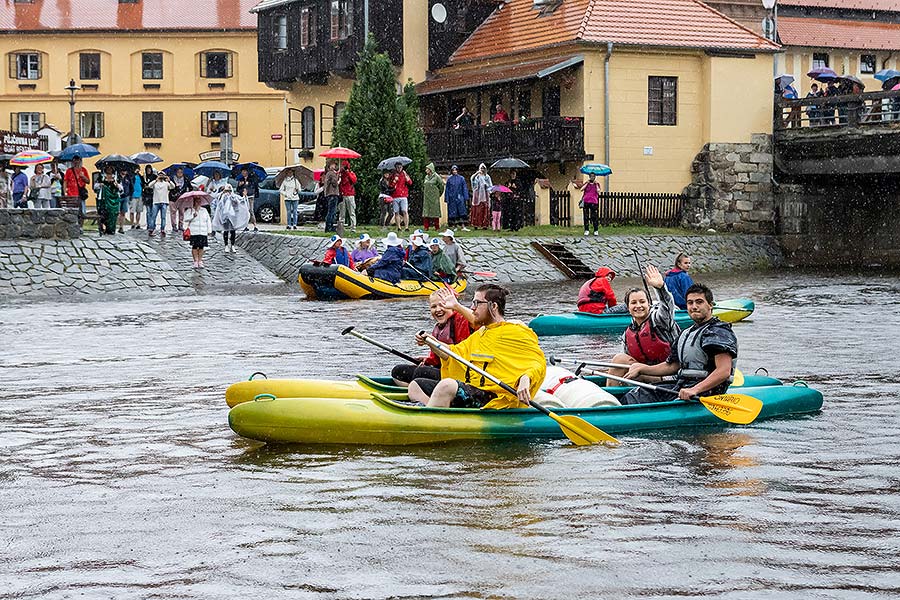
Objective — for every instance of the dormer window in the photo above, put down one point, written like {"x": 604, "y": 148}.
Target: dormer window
{"x": 545, "y": 7}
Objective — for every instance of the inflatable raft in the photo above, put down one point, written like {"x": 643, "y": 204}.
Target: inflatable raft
{"x": 379, "y": 420}
{"x": 581, "y": 323}
{"x": 362, "y": 387}
{"x": 337, "y": 282}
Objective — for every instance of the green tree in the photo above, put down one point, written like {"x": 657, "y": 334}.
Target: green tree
{"x": 379, "y": 124}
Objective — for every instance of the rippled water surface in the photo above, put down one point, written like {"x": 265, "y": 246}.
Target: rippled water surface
{"x": 120, "y": 478}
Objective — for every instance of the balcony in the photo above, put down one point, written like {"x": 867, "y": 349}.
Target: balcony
{"x": 547, "y": 139}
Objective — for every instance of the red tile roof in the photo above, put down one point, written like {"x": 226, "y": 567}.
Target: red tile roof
{"x": 834, "y": 33}
{"x": 106, "y": 15}
{"x": 890, "y": 5}
{"x": 517, "y": 26}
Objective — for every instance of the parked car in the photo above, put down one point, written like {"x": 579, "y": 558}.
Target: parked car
{"x": 268, "y": 205}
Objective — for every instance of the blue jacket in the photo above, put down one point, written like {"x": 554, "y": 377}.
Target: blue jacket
{"x": 420, "y": 258}
{"x": 456, "y": 189}
{"x": 677, "y": 282}
{"x": 390, "y": 266}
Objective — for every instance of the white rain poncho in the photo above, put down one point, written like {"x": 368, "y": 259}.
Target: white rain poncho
{"x": 232, "y": 213}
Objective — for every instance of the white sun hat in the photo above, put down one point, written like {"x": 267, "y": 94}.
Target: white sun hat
{"x": 363, "y": 237}
{"x": 334, "y": 240}
{"x": 392, "y": 240}
{"x": 435, "y": 242}
{"x": 448, "y": 233}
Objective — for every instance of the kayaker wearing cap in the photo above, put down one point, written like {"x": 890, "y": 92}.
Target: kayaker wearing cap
{"x": 597, "y": 296}
{"x": 703, "y": 357}
{"x": 678, "y": 280}
{"x": 452, "y": 325}
{"x": 419, "y": 258}
{"x": 653, "y": 331}
{"x": 365, "y": 254}
{"x": 453, "y": 252}
{"x": 507, "y": 350}
{"x": 337, "y": 254}
{"x": 443, "y": 267}
{"x": 390, "y": 266}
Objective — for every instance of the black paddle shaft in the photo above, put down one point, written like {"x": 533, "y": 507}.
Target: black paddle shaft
{"x": 641, "y": 273}
{"x": 365, "y": 338}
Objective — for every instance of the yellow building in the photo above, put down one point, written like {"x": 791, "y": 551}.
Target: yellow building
{"x": 154, "y": 75}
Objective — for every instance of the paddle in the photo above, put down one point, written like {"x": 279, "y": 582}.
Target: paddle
{"x": 641, "y": 273}
{"x": 734, "y": 408}
{"x": 482, "y": 273}
{"x": 575, "y": 428}
{"x": 737, "y": 381}
{"x": 354, "y": 333}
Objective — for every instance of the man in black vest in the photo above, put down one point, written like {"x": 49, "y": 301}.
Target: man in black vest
{"x": 703, "y": 357}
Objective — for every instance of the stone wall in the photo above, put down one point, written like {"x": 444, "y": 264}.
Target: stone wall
{"x": 731, "y": 188}
{"x": 29, "y": 224}
{"x": 515, "y": 260}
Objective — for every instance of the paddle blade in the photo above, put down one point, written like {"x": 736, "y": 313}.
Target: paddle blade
{"x": 581, "y": 432}
{"x": 738, "y": 378}
{"x": 734, "y": 408}
{"x": 484, "y": 273}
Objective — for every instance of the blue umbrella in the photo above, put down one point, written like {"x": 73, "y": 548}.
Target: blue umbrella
{"x": 79, "y": 150}
{"x": 188, "y": 171}
{"x": 208, "y": 168}
{"x": 253, "y": 167}
{"x": 145, "y": 158}
{"x": 595, "y": 169}
{"x": 885, "y": 74}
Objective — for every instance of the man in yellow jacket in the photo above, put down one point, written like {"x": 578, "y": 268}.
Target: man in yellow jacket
{"x": 508, "y": 350}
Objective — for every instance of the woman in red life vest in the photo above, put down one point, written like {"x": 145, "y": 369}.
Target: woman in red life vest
{"x": 452, "y": 325}
{"x": 597, "y": 296}
{"x": 653, "y": 330}
{"x": 336, "y": 254}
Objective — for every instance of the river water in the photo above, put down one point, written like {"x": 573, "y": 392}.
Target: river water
{"x": 121, "y": 479}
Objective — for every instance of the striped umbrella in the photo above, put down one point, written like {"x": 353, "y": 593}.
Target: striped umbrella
{"x": 30, "y": 157}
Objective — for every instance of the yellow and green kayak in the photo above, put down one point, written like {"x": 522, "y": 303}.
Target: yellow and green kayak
{"x": 362, "y": 387}
{"x": 378, "y": 420}
{"x": 581, "y": 323}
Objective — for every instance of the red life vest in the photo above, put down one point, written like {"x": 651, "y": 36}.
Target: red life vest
{"x": 645, "y": 345}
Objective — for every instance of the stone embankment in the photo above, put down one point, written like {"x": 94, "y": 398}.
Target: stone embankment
{"x": 55, "y": 223}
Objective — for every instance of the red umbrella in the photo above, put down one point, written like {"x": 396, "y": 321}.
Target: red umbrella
{"x": 339, "y": 152}
{"x": 317, "y": 174}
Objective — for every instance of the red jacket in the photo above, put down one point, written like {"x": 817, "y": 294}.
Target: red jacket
{"x": 597, "y": 294}
{"x": 348, "y": 183}
{"x": 453, "y": 332}
{"x": 401, "y": 185}
{"x": 344, "y": 258}
{"x": 71, "y": 183}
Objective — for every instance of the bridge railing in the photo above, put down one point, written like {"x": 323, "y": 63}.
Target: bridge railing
{"x": 851, "y": 110}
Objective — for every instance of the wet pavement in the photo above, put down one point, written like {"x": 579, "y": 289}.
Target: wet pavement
{"x": 121, "y": 479}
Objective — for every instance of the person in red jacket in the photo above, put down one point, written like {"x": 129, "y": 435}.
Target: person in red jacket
{"x": 348, "y": 195}
{"x": 597, "y": 296}
{"x": 400, "y": 182}
{"x": 76, "y": 182}
{"x": 337, "y": 254}
{"x": 451, "y": 327}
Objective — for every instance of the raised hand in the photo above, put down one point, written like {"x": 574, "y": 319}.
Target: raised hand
{"x": 654, "y": 277}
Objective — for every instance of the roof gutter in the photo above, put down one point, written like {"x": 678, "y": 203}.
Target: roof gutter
{"x": 609, "y": 51}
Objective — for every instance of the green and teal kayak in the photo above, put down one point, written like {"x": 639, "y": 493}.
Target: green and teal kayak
{"x": 378, "y": 420}
{"x": 362, "y": 387}
{"x": 581, "y": 323}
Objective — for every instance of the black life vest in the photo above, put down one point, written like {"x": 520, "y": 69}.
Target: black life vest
{"x": 645, "y": 345}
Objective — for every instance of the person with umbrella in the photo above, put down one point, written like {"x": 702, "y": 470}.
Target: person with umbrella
{"x": 290, "y": 194}
{"x": 108, "y": 200}
{"x": 432, "y": 188}
{"x": 812, "y": 111}
{"x": 331, "y": 184}
{"x": 386, "y": 189}
{"x": 348, "y": 195}
{"x": 75, "y": 185}
{"x": 514, "y": 202}
{"x": 481, "y": 190}
{"x": 126, "y": 180}
{"x": 162, "y": 188}
{"x": 199, "y": 223}
{"x": 248, "y": 187}
{"x": 456, "y": 194}
{"x": 39, "y": 188}
{"x": 590, "y": 202}
{"x": 182, "y": 185}
{"x": 19, "y": 186}
{"x": 401, "y": 183}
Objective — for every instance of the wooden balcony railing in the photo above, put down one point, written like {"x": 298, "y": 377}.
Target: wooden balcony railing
{"x": 544, "y": 139}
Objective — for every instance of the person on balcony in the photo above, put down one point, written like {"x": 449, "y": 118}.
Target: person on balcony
{"x": 500, "y": 115}
{"x": 464, "y": 119}
{"x": 456, "y": 194}
{"x": 812, "y": 111}
{"x": 481, "y": 190}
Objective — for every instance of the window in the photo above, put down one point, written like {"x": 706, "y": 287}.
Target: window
{"x": 341, "y": 20}
{"x": 662, "y": 101}
{"x": 307, "y": 27}
{"x": 867, "y": 63}
{"x": 281, "y": 33}
{"x": 25, "y": 65}
{"x": 215, "y": 123}
{"x": 89, "y": 65}
{"x": 338, "y": 110}
{"x": 215, "y": 65}
{"x": 89, "y": 124}
{"x": 152, "y": 124}
{"x": 27, "y": 122}
{"x": 820, "y": 60}
{"x": 309, "y": 127}
{"x": 152, "y": 65}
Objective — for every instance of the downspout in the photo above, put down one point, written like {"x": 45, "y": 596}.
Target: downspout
{"x": 365, "y": 21}
{"x": 609, "y": 51}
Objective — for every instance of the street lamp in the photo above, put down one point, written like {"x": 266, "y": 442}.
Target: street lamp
{"x": 770, "y": 28}
{"x": 72, "y": 88}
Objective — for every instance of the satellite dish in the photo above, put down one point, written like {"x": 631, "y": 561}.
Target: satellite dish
{"x": 439, "y": 13}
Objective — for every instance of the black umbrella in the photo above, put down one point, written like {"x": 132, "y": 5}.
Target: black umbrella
{"x": 118, "y": 162}
{"x": 510, "y": 163}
